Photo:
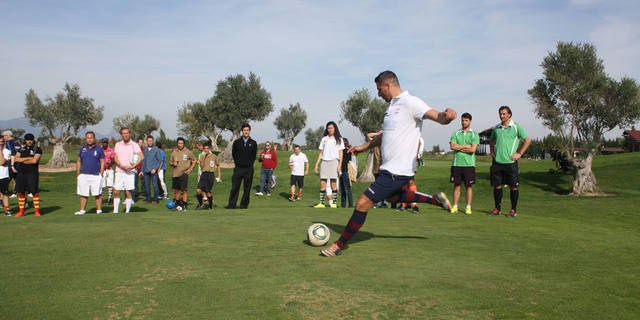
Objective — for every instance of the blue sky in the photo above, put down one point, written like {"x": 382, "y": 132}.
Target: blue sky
{"x": 153, "y": 56}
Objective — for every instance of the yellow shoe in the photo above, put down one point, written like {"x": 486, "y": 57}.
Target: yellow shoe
{"x": 467, "y": 210}
{"x": 454, "y": 210}
{"x": 333, "y": 205}
{"x": 319, "y": 205}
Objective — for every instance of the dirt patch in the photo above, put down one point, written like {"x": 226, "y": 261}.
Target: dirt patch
{"x": 54, "y": 170}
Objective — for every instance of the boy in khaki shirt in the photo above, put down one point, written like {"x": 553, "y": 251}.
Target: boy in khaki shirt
{"x": 209, "y": 164}
{"x": 182, "y": 161}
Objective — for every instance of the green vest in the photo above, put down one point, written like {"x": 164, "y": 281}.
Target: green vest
{"x": 507, "y": 141}
{"x": 463, "y": 159}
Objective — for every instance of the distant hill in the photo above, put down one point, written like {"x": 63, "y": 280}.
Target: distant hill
{"x": 23, "y": 123}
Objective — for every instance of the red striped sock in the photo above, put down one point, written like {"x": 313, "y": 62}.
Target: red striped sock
{"x": 355, "y": 223}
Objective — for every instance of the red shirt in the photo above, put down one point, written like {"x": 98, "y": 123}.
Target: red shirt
{"x": 269, "y": 159}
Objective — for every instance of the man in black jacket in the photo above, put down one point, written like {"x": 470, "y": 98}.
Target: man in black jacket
{"x": 244, "y": 151}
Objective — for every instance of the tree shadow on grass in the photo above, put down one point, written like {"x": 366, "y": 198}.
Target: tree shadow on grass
{"x": 546, "y": 182}
{"x": 364, "y": 235}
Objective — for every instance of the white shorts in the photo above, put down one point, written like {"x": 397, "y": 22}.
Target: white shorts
{"x": 89, "y": 185}
{"x": 107, "y": 178}
{"x": 125, "y": 180}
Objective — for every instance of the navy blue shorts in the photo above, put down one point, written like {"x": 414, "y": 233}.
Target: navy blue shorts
{"x": 385, "y": 186}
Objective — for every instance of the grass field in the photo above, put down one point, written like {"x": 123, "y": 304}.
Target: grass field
{"x": 562, "y": 258}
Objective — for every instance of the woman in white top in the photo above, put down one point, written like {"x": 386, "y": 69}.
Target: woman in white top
{"x": 331, "y": 147}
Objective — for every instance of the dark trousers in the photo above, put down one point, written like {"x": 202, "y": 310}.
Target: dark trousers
{"x": 150, "y": 179}
{"x": 240, "y": 174}
{"x": 345, "y": 190}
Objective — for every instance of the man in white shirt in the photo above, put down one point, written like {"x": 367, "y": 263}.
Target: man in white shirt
{"x": 401, "y": 130}
{"x": 299, "y": 165}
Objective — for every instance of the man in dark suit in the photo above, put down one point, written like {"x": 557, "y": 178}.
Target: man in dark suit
{"x": 244, "y": 151}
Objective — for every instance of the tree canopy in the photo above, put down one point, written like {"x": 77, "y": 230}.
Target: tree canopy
{"x": 313, "y": 137}
{"x": 364, "y": 111}
{"x": 290, "y": 123}
{"x": 138, "y": 127}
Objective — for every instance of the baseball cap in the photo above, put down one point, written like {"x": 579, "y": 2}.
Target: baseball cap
{"x": 105, "y": 140}
{"x": 7, "y": 133}
{"x": 29, "y": 136}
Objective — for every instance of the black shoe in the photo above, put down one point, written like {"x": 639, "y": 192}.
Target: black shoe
{"x": 415, "y": 209}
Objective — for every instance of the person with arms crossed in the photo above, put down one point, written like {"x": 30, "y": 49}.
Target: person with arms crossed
{"x": 506, "y": 150}
{"x": 108, "y": 175}
{"x": 243, "y": 151}
{"x": 299, "y": 165}
{"x": 209, "y": 164}
{"x": 28, "y": 156}
{"x": 89, "y": 171}
{"x": 330, "y": 161}
{"x": 127, "y": 156}
{"x": 151, "y": 165}
{"x": 269, "y": 160}
{"x": 401, "y": 128}
{"x": 464, "y": 143}
{"x": 182, "y": 161}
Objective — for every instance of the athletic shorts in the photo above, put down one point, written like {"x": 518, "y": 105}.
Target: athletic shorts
{"x": 502, "y": 174}
{"x": 299, "y": 180}
{"x": 27, "y": 182}
{"x": 4, "y": 186}
{"x": 206, "y": 181}
{"x": 125, "y": 180}
{"x": 329, "y": 169}
{"x": 89, "y": 185}
{"x": 466, "y": 175}
{"x": 385, "y": 186}
{"x": 107, "y": 178}
{"x": 180, "y": 183}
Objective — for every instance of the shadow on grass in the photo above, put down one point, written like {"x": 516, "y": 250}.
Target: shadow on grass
{"x": 284, "y": 195}
{"x": 546, "y": 182}
{"x": 47, "y": 210}
{"x": 364, "y": 235}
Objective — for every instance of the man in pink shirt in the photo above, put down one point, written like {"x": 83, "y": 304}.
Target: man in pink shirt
{"x": 126, "y": 163}
{"x": 107, "y": 177}
{"x": 269, "y": 161}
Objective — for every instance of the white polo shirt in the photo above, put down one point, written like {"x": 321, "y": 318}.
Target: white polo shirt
{"x": 402, "y": 130}
{"x": 330, "y": 149}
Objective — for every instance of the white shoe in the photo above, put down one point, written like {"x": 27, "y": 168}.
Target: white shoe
{"x": 79, "y": 213}
{"x": 259, "y": 194}
{"x": 98, "y": 211}
{"x": 13, "y": 195}
{"x": 268, "y": 194}
{"x": 30, "y": 195}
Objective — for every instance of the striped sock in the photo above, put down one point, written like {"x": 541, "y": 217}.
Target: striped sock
{"x": 21, "y": 201}
{"x": 356, "y": 221}
{"x": 415, "y": 196}
{"x": 36, "y": 201}
{"x": 322, "y": 194}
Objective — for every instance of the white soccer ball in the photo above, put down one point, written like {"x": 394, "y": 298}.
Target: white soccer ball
{"x": 318, "y": 234}
{"x": 134, "y": 159}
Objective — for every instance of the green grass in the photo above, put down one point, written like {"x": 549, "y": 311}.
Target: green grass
{"x": 562, "y": 258}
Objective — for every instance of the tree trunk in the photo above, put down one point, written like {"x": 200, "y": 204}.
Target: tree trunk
{"x": 367, "y": 172}
{"x": 584, "y": 181}
{"x": 59, "y": 158}
{"x": 288, "y": 144}
{"x": 226, "y": 158}
{"x": 214, "y": 142}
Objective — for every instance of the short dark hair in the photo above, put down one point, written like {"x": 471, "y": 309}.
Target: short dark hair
{"x": 159, "y": 144}
{"x": 124, "y": 128}
{"x": 296, "y": 146}
{"x": 180, "y": 138}
{"x": 140, "y": 138}
{"x": 387, "y": 76}
{"x": 466, "y": 115}
{"x": 207, "y": 144}
{"x": 150, "y": 136}
{"x": 91, "y": 133}
{"x": 245, "y": 125}
{"x": 505, "y": 107}
{"x": 29, "y": 136}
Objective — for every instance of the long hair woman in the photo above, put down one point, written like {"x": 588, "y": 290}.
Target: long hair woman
{"x": 330, "y": 161}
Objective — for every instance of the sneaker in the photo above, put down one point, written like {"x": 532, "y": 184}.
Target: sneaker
{"x": 38, "y": 213}
{"x": 319, "y": 205}
{"x": 495, "y": 212}
{"x": 7, "y": 213}
{"x": 454, "y": 210}
{"x": 20, "y": 214}
{"x": 415, "y": 209}
{"x": 13, "y": 195}
{"x": 333, "y": 205}
{"x": 512, "y": 214}
{"x": 444, "y": 201}
{"x": 268, "y": 194}
{"x": 467, "y": 210}
{"x": 401, "y": 208}
{"x": 299, "y": 198}
{"x": 30, "y": 195}
{"x": 79, "y": 213}
{"x": 292, "y": 199}
{"x": 259, "y": 194}
{"x": 331, "y": 251}
{"x": 98, "y": 211}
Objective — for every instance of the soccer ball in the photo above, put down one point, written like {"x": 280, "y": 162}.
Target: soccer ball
{"x": 171, "y": 204}
{"x": 134, "y": 159}
{"x": 318, "y": 234}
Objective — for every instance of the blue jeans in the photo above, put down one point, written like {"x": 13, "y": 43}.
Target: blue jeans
{"x": 265, "y": 179}
{"x": 148, "y": 179}
{"x": 345, "y": 190}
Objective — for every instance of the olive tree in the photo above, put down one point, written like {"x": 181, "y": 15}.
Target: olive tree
{"x": 138, "y": 127}
{"x": 290, "y": 123}
{"x": 197, "y": 120}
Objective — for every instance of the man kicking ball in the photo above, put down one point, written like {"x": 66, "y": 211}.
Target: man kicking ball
{"x": 401, "y": 129}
